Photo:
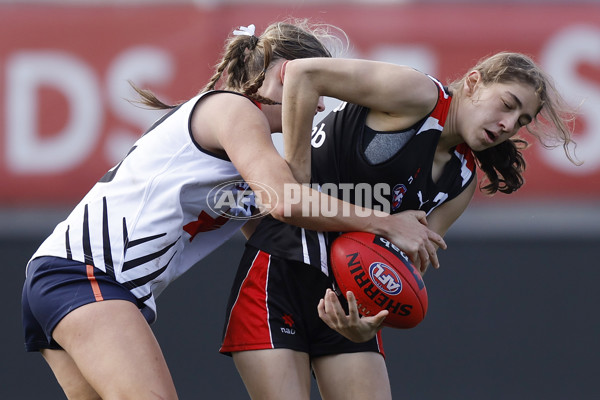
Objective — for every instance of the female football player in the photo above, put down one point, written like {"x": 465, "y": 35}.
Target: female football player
{"x": 399, "y": 128}
{"x": 90, "y": 288}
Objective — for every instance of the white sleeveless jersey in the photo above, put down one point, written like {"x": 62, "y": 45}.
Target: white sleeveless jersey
{"x": 148, "y": 220}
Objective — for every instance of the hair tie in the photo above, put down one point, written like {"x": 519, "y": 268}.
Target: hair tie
{"x": 245, "y": 30}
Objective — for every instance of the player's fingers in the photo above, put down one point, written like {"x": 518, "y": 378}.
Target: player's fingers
{"x": 352, "y": 306}
{"x": 433, "y": 258}
{"x": 328, "y": 313}
{"x": 423, "y": 260}
{"x": 437, "y": 239}
{"x": 325, "y": 317}
{"x": 333, "y": 305}
{"x": 432, "y": 254}
{"x": 327, "y": 306}
{"x": 413, "y": 257}
{"x": 379, "y": 318}
{"x": 421, "y": 216}
{"x": 413, "y": 254}
{"x": 321, "y": 308}
{"x": 375, "y": 322}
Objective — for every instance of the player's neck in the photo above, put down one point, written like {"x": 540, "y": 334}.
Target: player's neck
{"x": 450, "y": 136}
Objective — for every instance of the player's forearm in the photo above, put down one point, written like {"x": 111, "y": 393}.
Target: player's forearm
{"x": 300, "y": 102}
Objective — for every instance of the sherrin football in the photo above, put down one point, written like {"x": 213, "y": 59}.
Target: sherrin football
{"x": 381, "y": 277}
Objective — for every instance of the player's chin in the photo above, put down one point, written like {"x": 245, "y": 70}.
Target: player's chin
{"x": 479, "y": 145}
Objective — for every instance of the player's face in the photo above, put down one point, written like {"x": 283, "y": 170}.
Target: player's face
{"x": 495, "y": 113}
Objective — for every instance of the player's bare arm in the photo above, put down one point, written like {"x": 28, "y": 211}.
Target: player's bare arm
{"x": 382, "y": 87}
{"x": 259, "y": 161}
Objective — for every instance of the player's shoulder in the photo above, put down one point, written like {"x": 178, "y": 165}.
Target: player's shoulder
{"x": 225, "y": 105}
{"x": 227, "y": 98}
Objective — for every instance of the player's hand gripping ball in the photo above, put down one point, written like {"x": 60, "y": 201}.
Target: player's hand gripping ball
{"x": 381, "y": 277}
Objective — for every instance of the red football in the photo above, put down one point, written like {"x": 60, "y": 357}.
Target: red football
{"x": 381, "y": 277}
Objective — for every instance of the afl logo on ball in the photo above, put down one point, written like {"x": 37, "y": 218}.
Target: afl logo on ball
{"x": 385, "y": 278}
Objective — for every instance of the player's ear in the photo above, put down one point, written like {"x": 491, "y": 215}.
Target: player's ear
{"x": 471, "y": 82}
{"x": 282, "y": 71}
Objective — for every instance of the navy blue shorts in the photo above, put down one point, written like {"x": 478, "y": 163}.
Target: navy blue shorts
{"x": 273, "y": 305}
{"x": 56, "y": 286}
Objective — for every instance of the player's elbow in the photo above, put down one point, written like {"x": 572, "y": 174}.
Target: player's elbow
{"x": 287, "y": 211}
{"x": 289, "y": 204}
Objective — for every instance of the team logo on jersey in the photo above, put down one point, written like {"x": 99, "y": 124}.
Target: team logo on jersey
{"x": 397, "y": 195}
{"x": 237, "y": 200}
{"x": 385, "y": 278}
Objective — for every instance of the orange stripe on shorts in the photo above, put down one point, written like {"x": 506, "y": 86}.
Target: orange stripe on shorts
{"x": 94, "y": 283}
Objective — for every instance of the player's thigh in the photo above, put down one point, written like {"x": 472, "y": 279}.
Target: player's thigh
{"x": 352, "y": 376}
{"x": 115, "y": 350}
{"x": 275, "y": 373}
{"x": 75, "y": 386}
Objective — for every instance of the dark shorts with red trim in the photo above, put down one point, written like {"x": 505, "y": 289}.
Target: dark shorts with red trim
{"x": 56, "y": 286}
{"x": 273, "y": 305}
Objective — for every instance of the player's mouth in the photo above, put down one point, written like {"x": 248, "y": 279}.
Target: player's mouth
{"x": 491, "y": 136}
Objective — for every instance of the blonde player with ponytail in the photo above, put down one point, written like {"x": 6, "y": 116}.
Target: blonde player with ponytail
{"x": 91, "y": 287}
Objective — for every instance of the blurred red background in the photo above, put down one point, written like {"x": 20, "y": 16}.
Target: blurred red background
{"x": 64, "y": 75}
